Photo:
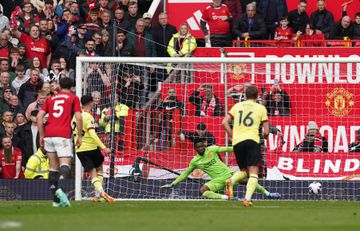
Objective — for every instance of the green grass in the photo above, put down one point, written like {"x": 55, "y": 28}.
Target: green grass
{"x": 186, "y": 215}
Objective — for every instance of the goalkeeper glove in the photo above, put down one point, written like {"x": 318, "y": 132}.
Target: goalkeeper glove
{"x": 167, "y": 186}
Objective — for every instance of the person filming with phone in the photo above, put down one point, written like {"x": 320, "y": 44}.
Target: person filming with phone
{"x": 277, "y": 101}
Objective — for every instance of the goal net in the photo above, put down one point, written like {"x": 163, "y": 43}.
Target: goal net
{"x": 161, "y": 104}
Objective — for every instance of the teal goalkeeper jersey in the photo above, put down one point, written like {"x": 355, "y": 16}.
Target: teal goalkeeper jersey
{"x": 210, "y": 163}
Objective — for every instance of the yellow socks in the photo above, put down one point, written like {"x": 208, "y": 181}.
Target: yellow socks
{"x": 97, "y": 184}
{"x": 238, "y": 176}
{"x": 251, "y": 186}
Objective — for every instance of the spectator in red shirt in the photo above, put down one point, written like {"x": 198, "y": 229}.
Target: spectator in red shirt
{"x": 28, "y": 18}
{"x": 5, "y": 46}
{"x": 35, "y": 46}
{"x": 283, "y": 33}
{"x": 10, "y": 157}
{"x": 310, "y": 34}
{"x": 218, "y": 17}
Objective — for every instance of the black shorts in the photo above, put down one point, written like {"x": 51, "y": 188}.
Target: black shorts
{"x": 248, "y": 153}
{"x": 91, "y": 159}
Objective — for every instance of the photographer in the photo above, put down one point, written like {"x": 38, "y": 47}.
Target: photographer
{"x": 130, "y": 88}
{"x": 277, "y": 102}
{"x": 169, "y": 104}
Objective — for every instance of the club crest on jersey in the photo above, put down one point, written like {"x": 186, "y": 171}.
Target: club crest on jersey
{"x": 197, "y": 173}
{"x": 237, "y": 71}
{"x": 339, "y": 102}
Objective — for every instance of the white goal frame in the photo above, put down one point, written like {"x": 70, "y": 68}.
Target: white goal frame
{"x": 189, "y": 60}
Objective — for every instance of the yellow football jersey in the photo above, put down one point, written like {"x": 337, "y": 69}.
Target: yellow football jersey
{"x": 247, "y": 118}
{"x": 88, "y": 142}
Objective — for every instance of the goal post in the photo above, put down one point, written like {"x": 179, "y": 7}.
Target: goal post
{"x": 147, "y": 138}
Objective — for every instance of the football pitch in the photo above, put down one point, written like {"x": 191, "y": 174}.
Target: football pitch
{"x": 181, "y": 215}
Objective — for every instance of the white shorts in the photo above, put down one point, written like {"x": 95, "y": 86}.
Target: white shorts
{"x": 63, "y": 147}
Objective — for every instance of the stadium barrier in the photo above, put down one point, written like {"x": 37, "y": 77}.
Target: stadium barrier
{"x": 346, "y": 42}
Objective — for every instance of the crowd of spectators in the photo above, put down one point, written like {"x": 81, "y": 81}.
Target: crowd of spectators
{"x": 265, "y": 19}
{"x": 40, "y": 40}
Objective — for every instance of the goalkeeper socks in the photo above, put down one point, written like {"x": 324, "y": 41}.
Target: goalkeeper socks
{"x": 262, "y": 190}
{"x": 97, "y": 185}
{"x": 213, "y": 195}
{"x": 53, "y": 182}
{"x": 238, "y": 176}
{"x": 251, "y": 186}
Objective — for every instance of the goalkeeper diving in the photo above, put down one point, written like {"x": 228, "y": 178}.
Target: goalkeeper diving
{"x": 208, "y": 160}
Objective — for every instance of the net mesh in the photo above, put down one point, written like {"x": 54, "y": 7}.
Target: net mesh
{"x": 159, "y": 106}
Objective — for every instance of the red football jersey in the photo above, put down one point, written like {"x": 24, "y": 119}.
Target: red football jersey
{"x": 39, "y": 48}
{"x": 60, "y": 108}
{"x": 9, "y": 169}
{"x": 282, "y": 34}
{"x": 286, "y": 34}
{"x": 216, "y": 25}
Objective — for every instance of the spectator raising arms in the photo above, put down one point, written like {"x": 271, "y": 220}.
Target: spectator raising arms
{"x": 277, "y": 102}
{"x": 208, "y": 104}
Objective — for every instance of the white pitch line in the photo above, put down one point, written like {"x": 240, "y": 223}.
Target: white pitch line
{"x": 10, "y": 224}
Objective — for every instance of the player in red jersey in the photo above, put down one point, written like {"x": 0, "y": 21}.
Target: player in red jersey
{"x": 56, "y": 137}
{"x": 219, "y": 19}
{"x": 10, "y": 160}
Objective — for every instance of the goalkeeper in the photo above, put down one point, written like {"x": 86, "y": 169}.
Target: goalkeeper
{"x": 89, "y": 152}
{"x": 208, "y": 160}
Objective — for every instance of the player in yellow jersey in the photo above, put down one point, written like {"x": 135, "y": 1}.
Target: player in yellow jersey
{"x": 247, "y": 117}
{"x": 89, "y": 152}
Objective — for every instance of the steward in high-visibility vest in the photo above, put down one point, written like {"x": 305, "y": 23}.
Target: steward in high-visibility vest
{"x": 37, "y": 165}
{"x": 121, "y": 110}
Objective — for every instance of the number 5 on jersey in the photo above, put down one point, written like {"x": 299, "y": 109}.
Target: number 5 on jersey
{"x": 58, "y": 108}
